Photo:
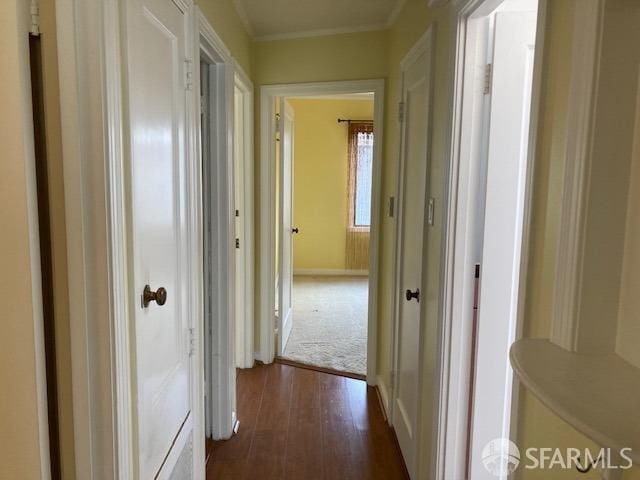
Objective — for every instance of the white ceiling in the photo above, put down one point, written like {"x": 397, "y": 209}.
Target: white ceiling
{"x": 277, "y": 19}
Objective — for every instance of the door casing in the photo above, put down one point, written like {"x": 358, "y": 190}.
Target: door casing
{"x": 219, "y": 258}
{"x": 266, "y": 307}
{"x": 457, "y": 294}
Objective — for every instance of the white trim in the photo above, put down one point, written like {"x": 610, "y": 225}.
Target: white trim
{"x": 244, "y": 84}
{"x": 268, "y": 94}
{"x": 213, "y": 40}
{"x": 424, "y": 46}
{"x": 86, "y": 187}
{"x": 25, "y": 19}
{"x": 330, "y": 271}
{"x": 321, "y": 32}
{"x": 581, "y": 110}
{"x": 368, "y": 97}
{"x": 457, "y": 295}
{"x": 221, "y": 358}
{"x": 384, "y": 396}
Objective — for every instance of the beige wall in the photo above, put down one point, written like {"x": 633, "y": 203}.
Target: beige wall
{"x": 19, "y": 286}
{"x": 320, "y": 180}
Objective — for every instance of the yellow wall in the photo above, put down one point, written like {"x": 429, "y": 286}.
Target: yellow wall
{"x": 20, "y": 453}
{"x": 353, "y": 56}
{"x": 321, "y": 167}
{"x": 225, "y": 21}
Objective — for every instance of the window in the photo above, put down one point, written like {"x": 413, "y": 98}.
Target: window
{"x": 360, "y": 174}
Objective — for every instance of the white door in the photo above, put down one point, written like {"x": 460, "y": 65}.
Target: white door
{"x": 156, "y": 49}
{"x": 285, "y": 310}
{"x": 414, "y": 183}
{"x": 514, "y": 38}
{"x": 241, "y": 247}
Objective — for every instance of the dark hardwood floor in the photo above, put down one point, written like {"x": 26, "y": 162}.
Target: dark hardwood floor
{"x": 302, "y": 424}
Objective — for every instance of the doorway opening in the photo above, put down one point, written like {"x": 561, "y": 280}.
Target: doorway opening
{"x": 320, "y": 213}
{"x": 497, "y": 67}
{"x": 325, "y": 148}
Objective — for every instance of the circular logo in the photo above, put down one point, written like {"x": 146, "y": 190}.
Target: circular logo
{"x": 500, "y": 457}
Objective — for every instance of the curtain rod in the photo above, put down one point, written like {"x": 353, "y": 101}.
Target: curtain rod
{"x": 348, "y": 120}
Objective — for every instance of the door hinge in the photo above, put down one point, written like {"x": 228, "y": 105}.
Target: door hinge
{"x": 488, "y": 78}
{"x": 277, "y": 123}
{"x": 392, "y": 206}
{"x": 237, "y": 243}
{"x": 191, "y": 347}
{"x": 401, "y": 112}
{"x": 35, "y": 18}
{"x": 237, "y": 213}
{"x": 188, "y": 74}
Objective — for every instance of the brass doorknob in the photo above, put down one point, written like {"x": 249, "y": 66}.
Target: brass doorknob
{"x": 409, "y": 295}
{"x": 148, "y": 296}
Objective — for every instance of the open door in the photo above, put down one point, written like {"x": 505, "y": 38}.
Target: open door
{"x": 510, "y": 90}
{"x": 285, "y": 310}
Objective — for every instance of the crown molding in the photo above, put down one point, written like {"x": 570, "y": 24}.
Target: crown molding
{"x": 324, "y": 32}
{"x": 244, "y": 18}
{"x": 393, "y": 16}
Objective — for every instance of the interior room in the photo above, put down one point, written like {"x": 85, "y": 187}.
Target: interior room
{"x": 332, "y": 167}
{"x": 323, "y": 240}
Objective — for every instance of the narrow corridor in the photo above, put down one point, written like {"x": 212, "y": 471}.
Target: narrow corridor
{"x": 299, "y": 424}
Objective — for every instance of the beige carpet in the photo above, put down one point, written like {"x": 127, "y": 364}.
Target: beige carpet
{"x": 329, "y": 322}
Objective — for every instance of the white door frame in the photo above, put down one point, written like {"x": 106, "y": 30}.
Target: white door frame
{"x": 94, "y": 136}
{"x": 268, "y": 94}
{"x": 457, "y": 294}
{"x": 244, "y": 84}
{"x": 425, "y": 45}
{"x": 220, "y": 341}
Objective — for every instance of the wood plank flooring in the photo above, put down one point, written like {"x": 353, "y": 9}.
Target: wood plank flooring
{"x": 300, "y": 424}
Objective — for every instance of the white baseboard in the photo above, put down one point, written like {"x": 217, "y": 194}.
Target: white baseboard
{"x": 384, "y": 395}
{"x": 327, "y": 271}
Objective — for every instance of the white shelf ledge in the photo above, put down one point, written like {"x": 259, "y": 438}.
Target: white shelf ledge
{"x": 599, "y": 395}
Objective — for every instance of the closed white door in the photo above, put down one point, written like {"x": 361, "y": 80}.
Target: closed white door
{"x": 285, "y": 309}
{"x": 156, "y": 51}
{"x": 513, "y": 53}
{"x": 411, "y": 238}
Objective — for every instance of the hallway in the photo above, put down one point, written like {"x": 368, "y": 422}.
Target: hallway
{"x": 302, "y": 424}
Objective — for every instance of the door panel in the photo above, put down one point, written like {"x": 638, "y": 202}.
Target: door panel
{"x": 156, "y": 49}
{"x": 285, "y": 310}
{"x": 417, "y": 104}
{"x": 514, "y": 37}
